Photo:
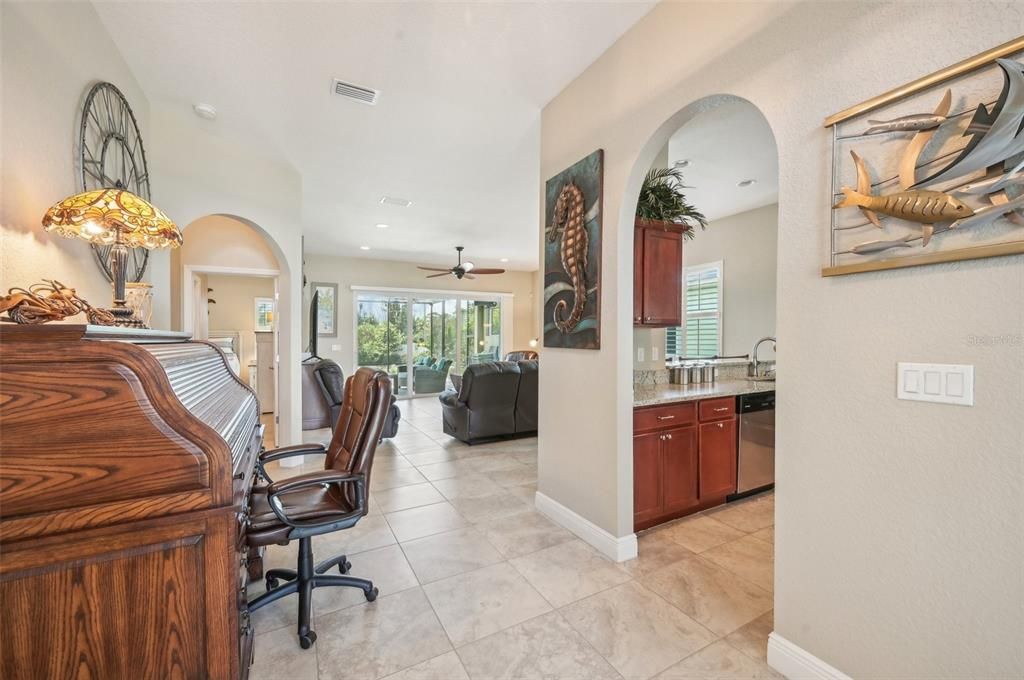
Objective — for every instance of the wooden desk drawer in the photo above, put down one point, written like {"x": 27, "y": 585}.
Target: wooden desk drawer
{"x": 660, "y": 417}
{"x": 716, "y": 409}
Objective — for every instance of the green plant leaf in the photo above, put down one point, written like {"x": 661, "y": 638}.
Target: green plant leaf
{"x": 662, "y": 199}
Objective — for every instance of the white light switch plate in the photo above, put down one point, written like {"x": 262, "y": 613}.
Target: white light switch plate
{"x": 639, "y": 353}
{"x": 654, "y": 354}
{"x": 335, "y": 348}
{"x": 939, "y": 383}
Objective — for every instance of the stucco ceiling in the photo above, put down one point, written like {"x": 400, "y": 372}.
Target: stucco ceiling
{"x": 725, "y": 145}
{"x": 456, "y": 129}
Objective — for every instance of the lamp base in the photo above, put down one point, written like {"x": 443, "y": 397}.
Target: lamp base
{"x": 125, "y": 316}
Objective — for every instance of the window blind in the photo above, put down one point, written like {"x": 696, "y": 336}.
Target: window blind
{"x": 701, "y": 334}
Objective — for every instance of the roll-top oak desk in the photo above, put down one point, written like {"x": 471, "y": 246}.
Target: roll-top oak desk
{"x": 126, "y": 460}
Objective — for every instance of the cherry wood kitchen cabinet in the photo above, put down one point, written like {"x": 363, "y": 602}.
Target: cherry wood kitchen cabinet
{"x": 684, "y": 458}
{"x": 657, "y": 274}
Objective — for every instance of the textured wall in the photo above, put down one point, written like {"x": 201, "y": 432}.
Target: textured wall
{"x": 746, "y": 245}
{"x": 52, "y": 53}
{"x": 898, "y": 545}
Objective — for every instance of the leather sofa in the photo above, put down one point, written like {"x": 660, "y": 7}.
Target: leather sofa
{"x": 497, "y": 399}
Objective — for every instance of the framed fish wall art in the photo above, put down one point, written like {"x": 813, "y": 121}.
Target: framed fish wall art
{"x": 572, "y": 255}
{"x": 932, "y": 171}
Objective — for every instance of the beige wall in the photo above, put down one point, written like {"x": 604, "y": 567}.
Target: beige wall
{"x": 746, "y": 245}
{"x": 348, "y": 272}
{"x": 236, "y": 310}
{"x": 201, "y": 173}
{"x": 52, "y": 53}
{"x": 898, "y": 542}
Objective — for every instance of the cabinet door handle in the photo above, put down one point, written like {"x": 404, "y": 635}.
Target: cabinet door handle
{"x": 719, "y": 410}
{"x": 668, "y": 436}
{"x": 721, "y": 425}
{"x": 666, "y": 417}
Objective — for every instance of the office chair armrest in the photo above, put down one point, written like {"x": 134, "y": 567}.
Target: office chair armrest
{"x": 289, "y": 451}
{"x": 318, "y": 478}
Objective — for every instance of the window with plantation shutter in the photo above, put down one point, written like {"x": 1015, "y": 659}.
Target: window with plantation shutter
{"x": 701, "y": 332}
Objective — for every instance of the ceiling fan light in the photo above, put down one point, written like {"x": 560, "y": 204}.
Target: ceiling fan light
{"x": 468, "y": 266}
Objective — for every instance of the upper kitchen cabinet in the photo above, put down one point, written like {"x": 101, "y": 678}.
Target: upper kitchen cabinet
{"x": 657, "y": 274}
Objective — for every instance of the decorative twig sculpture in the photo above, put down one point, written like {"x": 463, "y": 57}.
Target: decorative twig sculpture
{"x": 48, "y": 301}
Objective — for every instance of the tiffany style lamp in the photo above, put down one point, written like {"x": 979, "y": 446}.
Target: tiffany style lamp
{"x": 119, "y": 219}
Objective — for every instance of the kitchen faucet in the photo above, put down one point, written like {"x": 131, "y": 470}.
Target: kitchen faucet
{"x": 752, "y": 369}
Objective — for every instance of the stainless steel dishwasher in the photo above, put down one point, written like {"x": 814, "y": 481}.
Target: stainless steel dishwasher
{"x": 755, "y": 470}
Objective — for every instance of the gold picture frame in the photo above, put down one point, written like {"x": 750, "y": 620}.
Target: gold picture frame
{"x": 877, "y": 152}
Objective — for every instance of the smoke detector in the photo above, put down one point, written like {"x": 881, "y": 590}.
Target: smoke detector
{"x": 397, "y": 202}
{"x": 746, "y": 182}
{"x": 205, "y": 111}
{"x": 358, "y": 93}
{"x": 682, "y": 164}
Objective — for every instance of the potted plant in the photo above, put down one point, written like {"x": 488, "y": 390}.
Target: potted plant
{"x": 662, "y": 203}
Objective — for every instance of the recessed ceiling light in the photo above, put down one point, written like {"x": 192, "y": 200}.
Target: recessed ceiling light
{"x": 746, "y": 183}
{"x": 682, "y": 164}
{"x": 364, "y": 247}
{"x": 382, "y": 226}
{"x": 504, "y": 259}
{"x": 205, "y": 111}
{"x": 398, "y": 202}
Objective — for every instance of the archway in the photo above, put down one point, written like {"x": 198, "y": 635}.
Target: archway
{"x": 237, "y": 250}
{"x": 711, "y": 115}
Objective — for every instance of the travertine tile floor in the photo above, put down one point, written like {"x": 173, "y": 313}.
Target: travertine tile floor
{"x": 475, "y": 584}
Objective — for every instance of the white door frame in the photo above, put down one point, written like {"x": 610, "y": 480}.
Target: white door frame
{"x": 187, "y": 314}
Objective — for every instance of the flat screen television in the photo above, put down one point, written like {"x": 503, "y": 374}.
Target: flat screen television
{"x": 313, "y": 304}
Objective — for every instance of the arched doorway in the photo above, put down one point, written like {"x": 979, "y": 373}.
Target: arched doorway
{"x": 725, "y": 290}
{"x": 226, "y": 281}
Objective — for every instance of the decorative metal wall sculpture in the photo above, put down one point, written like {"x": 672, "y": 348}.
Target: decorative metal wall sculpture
{"x": 112, "y": 156}
{"x": 49, "y": 301}
{"x": 572, "y": 255}
{"x": 936, "y": 174}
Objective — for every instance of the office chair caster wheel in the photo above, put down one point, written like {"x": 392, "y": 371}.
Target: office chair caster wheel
{"x": 306, "y": 641}
{"x": 344, "y": 567}
{"x": 371, "y": 595}
{"x": 272, "y": 583}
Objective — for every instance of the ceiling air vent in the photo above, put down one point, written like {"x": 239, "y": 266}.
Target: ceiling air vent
{"x": 397, "y": 202}
{"x": 363, "y": 95}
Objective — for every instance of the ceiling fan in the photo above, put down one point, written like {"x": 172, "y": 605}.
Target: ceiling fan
{"x": 461, "y": 270}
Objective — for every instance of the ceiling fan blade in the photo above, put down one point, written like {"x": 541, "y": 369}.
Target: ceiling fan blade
{"x": 434, "y": 276}
{"x": 468, "y": 276}
{"x": 467, "y": 266}
{"x": 488, "y": 271}
{"x": 433, "y": 269}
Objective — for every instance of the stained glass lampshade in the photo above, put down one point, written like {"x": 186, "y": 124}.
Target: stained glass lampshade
{"x": 118, "y": 218}
{"x": 107, "y": 216}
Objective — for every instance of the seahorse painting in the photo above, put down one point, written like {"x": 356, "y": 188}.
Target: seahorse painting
{"x": 572, "y": 255}
{"x": 570, "y": 221}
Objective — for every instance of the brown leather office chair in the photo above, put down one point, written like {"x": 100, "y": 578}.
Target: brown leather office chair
{"x": 321, "y": 502}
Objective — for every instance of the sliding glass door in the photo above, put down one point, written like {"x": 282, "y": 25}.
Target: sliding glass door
{"x": 420, "y": 339}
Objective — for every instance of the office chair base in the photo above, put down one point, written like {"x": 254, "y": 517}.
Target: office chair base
{"x": 304, "y": 580}
{"x": 344, "y": 566}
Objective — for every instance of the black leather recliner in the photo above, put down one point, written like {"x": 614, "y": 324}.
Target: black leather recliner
{"x": 331, "y": 380}
{"x": 497, "y": 399}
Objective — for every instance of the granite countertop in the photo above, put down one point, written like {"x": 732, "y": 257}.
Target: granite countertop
{"x": 652, "y": 395}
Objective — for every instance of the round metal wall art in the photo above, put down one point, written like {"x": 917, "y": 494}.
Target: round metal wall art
{"x": 112, "y": 156}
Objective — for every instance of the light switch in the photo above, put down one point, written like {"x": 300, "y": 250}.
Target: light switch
{"x": 639, "y": 353}
{"x": 938, "y": 383}
{"x": 654, "y": 353}
{"x": 335, "y": 348}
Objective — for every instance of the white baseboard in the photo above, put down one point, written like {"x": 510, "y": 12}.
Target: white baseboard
{"x": 618, "y": 549}
{"x": 797, "y": 664}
